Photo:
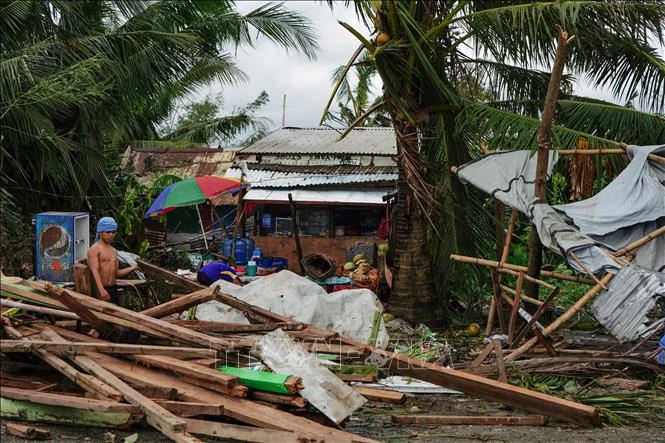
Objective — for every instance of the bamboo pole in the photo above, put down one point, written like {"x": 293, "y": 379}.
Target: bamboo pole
{"x": 495, "y": 264}
{"x": 647, "y": 238}
{"x": 39, "y": 309}
{"x": 563, "y": 318}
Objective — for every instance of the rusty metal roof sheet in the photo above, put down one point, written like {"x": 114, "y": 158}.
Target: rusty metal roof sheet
{"x": 148, "y": 164}
{"x": 369, "y": 141}
{"x": 296, "y": 179}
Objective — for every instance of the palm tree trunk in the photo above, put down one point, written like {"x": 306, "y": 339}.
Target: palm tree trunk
{"x": 412, "y": 296}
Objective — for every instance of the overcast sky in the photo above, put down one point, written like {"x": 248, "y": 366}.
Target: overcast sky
{"x": 307, "y": 84}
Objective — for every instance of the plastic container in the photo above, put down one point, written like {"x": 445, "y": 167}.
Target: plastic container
{"x": 243, "y": 248}
{"x": 251, "y": 268}
{"x": 257, "y": 253}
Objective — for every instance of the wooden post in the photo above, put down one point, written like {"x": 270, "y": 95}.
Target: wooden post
{"x": 544, "y": 148}
{"x": 296, "y": 234}
{"x": 239, "y": 211}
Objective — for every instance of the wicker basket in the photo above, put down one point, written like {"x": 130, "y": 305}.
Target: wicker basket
{"x": 319, "y": 266}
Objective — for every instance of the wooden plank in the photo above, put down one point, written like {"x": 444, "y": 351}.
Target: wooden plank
{"x": 80, "y": 310}
{"x": 188, "y": 369}
{"x": 233, "y": 391}
{"x": 27, "y": 432}
{"x": 84, "y": 381}
{"x": 158, "y": 417}
{"x": 107, "y": 348}
{"x": 488, "y": 389}
{"x": 482, "y": 356}
{"x": 270, "y": 397}
{"x": 189, "y": 409}
{"x": 24, "y": 293}
{"x": 544, "y": 340}
{"x": 220, "y": 327}
{"x": 500, "y": 366}
{"x": 39, "y": 309}
{"x": 176, "y": 333}
{"x": 240, "y": 409}
{"x": 165, "y": 274}
{"x": 70, "y": 401}
{"x": 244, "y": 433}
{"x": 527, "y": 420}
{"x": 182, "y": 303}
{"x": 382, "y": 395}
{"x": 348, "y": 378}
{"x": 82, "y": 279}
{"x": 62, "y": 415}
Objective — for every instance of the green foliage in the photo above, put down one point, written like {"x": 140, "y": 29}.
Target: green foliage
{"x": 423, "y": 67}
{"x": 620, "y": 409}
{"x": 548, "y": 384}
{"x": 201, "y": 122}
{"x": 80, "y": 78}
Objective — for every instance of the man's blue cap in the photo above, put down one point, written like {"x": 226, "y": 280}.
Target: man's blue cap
{"x": 106, "y": 224}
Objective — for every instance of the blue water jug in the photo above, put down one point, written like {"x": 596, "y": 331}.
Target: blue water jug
{"x": 250, "y": 247}
{"x": 242, "y": 251}
{"x": 226, "y": 246}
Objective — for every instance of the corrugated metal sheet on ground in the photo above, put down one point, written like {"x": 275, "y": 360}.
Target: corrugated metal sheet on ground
{"x": 623, "y": 308}
{"x": 365, "y": 196}
{"x": 379, "y": 141}
{"x": 276, "y": 179}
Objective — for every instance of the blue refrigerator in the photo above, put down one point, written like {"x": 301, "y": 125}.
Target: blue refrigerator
{"x": 61, "y": 239}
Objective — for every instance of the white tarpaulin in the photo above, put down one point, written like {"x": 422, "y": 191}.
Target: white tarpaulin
{"x": 630, "y": 207}
{"x": 350, "y": 312}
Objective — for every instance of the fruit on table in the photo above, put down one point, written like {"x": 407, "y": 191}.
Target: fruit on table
{"x": 349, "y": 266}
{"x": 358, "y": 257}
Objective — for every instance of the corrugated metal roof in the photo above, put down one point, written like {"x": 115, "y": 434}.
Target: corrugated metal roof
{"x": 623, "y": 308}
{"x": 278, "y": 179}
{"x": 149, "y": 164}
{"x": 320, "y": 169}
{"x": 370, "y": 141}
{"x": 356, "y": 196}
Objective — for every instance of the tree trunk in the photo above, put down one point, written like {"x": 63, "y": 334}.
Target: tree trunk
{"x": 412, "y": 296}
{"x": 544, "y": 147}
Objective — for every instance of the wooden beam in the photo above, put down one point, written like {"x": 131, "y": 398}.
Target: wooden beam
{"x": 74, "y": 305}
{"x": 189, "y": 409}
{"x": 238, "y": 408}
{"x": 528, "y": 420}
{"x": 488, "y": 389}
{"x": 84, "y": 381}
{"x": 243, "y": 433}
{"x": 382, "y": 395}
{"x": 70, "y": 401}
{"x": 534, "y": 318}
{"x": 107, "y": 348}
{"x": 500, "y": 366}
{"x": 220, "y": 327}
{"x": 165, "y": 274}
{"x": 176, "y": 333}
{"x": 270, "y": 397}
{"x": 39, "y": 309}
{"x": 188, "y": 369}
{"x": 182, "y": 303}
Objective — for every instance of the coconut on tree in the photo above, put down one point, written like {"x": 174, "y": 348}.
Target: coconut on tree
{"x": 422, "y": 49}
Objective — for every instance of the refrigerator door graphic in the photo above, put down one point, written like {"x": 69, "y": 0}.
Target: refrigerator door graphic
{"x": 59, "y": 244}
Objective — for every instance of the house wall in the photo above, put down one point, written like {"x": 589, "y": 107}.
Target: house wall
{"x": 286, "y": 247}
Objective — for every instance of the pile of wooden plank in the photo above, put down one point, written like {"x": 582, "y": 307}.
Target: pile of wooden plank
{"x": 122, "y": 367}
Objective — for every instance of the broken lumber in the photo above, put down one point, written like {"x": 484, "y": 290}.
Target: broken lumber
{"x": 27, "y": 432}
{"x": 39, "y": 309}
{"x": 107, "y": 348}
{"x": 175, "y": 333}
{"x": 493, "y": 390}
{"x": 84, "y": 381}
{"x": 290, "y": 400}
{"x": 65, "y": 415}
{"x": 189, "y": 409}
{"x": 164, "y": 274}
{"x": 220, "y": 327}
{"x": 84, "y": 313}
{"x": 240, "y": 409}
{"x": 265, "y": 381}
{"x": 70, "y": 401}
{"x": 382, "y": 395}
{"x": 182, "y": 303}
{"x": 187, "y": 369}
{"x": 244, "y": 433}
{"x": 527, "y": 420}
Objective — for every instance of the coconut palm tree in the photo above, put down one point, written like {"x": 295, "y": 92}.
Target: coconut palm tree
{"x": 421, "y": 49}
{"x": 79, "y": 77}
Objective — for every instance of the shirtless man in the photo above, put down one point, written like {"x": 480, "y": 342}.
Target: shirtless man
{"x": 103, "y": 261}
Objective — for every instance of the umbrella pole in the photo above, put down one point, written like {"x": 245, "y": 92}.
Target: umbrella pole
{"x": 203, "y": 231}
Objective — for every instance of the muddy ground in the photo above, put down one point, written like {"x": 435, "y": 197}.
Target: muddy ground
{"x": 374, "y": 421}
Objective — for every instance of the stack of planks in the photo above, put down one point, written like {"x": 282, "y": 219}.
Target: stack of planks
{"x": 168, "y": 373}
